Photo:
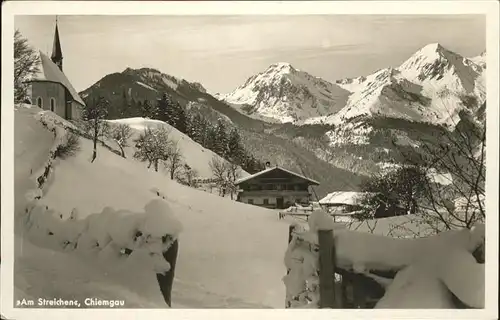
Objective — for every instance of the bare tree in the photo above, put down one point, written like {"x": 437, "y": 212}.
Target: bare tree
{"x": 233, "y": 174}
{"x": 94, "y": 114}
{"x": 26, "y": 64}
{"x": 219, "y": 172}
{"x": 121, "y": 135}
{"x": 457, "y": 201}
{"x": 153, "y": 146}
{"x": 394, "y": 193}
{"x": 190, "y": 176}
{"x": 174, "y": 162}
{"x": 225, "y": 175}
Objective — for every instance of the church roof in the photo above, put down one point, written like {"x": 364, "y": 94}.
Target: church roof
{"x": 56, "y": 48}
{"x": 49, "y": 71}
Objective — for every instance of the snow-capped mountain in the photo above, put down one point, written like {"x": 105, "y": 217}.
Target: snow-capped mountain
{"x": 139, "y": 85}
{"x": 285, "y": 94}
{"x": 480, "y": 59}
{"x": 433, "y": 85}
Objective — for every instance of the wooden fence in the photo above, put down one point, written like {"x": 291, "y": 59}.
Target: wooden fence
{"x": 340, "y": 288}
{"x": 166, "y": 280}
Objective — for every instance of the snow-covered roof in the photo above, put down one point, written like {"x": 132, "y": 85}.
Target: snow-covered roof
{"x": 314, "y": 182}
{"x": 343, "y": 198}
{"x": 49, "y": 71}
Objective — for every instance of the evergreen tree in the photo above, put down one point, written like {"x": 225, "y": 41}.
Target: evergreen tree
{"x": 179, "y": 118}
{"x": 165, "y": 109}
{"x": 202, "y": 130}
{"x": 221, "y": 143}
{"x": 197, "y": 128}
{"x": 210, "y": 140}
{"x": 149, "y": 110}
{"x": 235, "y": 149}
{"x": 125, "y": 105}
{"x": 172, "y": 113}
{"x": 193, "y": 124}
{"x": 133, "y": 110}
{"x": 139, "y": 108}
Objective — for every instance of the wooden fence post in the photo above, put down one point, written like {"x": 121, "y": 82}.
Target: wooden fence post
{"x": 358, "y": 292}
{"x": 165, "y": 281}
{"x": 339, "y": 296}
{"x": 291, "y": 228}
{"x": 326, "y": 269}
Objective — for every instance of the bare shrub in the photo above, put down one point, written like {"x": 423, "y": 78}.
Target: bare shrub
{"x": 69, "y": 147}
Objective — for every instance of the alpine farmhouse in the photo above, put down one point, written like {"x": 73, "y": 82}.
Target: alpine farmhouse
{"x": 275, "y": 188}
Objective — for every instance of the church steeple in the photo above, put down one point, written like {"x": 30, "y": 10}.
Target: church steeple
{"x": 56, "y": 56}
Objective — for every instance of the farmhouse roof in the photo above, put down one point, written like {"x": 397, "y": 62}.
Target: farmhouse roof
{"x": 49, "y": 71}
{"x": 250, "y": 177}
{"x": 343, "y": 198}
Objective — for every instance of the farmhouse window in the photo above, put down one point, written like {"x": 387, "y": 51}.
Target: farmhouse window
{"x": 266, "y": 201}
{"x": 250, "y": 201}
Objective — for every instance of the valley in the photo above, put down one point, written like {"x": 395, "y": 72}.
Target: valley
{"x": 340, "y": 132}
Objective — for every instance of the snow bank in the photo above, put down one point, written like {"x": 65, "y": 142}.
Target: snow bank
{"x": 138, "y": 238}
{"x": 41, "y": 172}
{"x": 302, "y": 281}
{"x": 124, "y": 246}
{"x": 218, "y": 244}
{"x": 413, "y": 288}
{"x": 431, "y": 267}
{"x": 43, "y": 272}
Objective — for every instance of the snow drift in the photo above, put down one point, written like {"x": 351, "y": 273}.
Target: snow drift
{"x": 218, "y": 246}
{"x": 429, "y": 270}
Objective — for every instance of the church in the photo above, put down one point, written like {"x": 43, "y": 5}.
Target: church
{"x": 50, "y": 89}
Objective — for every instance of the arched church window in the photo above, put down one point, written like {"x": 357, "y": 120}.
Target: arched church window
{"x": 39, "y": 102}
{"x": 52, "y": 104}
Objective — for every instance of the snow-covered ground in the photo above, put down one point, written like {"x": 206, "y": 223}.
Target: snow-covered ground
{"x": 230, "y": 254}
{"x": 428, "y": 269}
{"x": 193, "y": 153}
{"x": 223, "y": 243}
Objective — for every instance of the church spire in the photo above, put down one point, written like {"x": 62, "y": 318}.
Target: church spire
{"x": 56, "y": 56}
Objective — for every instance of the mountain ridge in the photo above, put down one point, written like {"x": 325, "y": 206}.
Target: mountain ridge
{"x": 286, "y": 94}
{"x": 425, "y": 87}
{"x": 340, "y": 148}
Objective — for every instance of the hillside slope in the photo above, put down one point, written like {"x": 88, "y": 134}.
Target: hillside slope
{"x": 193, "y": 154}
{"x": 223, "y": 243}
{"x": 266, "y": 141}
{"x": 150, "y": 84}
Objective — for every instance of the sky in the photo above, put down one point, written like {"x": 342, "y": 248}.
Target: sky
{"x": 221, "y": 52}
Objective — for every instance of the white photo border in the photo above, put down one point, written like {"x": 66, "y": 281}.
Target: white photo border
{"x": 12, "y": 8}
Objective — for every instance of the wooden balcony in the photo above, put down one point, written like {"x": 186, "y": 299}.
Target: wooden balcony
{"x": 274, "y": 193}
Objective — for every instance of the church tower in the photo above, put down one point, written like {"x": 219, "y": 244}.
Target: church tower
{"x": 56, "y": 56}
